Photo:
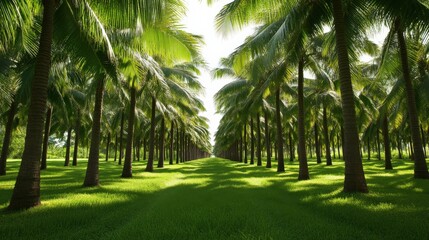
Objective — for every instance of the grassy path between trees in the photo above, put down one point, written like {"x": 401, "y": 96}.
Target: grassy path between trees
{"x": 218, "y": 199}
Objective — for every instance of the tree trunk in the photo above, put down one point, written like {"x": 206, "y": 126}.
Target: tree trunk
{"x": 161, "y": 144}
{"x": 387, "y": 153}
{"x": 423, "y": 140}
{"x": 420, "y": 166}
{"x": 399, "y": 147}
{"x": 116, "y": 147}
{"x": 76, "y": 139}
{"x": 317, "y": 143}
{"x": 378, "y": 145}
{"x": 369, "y": 148}
{"x": 171, "y": 143}
{"x": 280, "y": 157}
{"x": 26, "y": 193}
{"x": 267, "y": 140}
{"x": 7, "y": 136}
{"x": 291, "y": 150}
{"x": 354, "y": 175}
{"x": 327, "y": 142}
{"x": 149, "y": 166}
{"x": 302, "y": 153}
{"x": 177, "y": 145}
{"x": 127, "y": 171}
{"x": 67, "y": 158}
{"x": 245, "y": 142}
{"x": 252, "y": 142}
{"x": 46, "y": 138}
{"x": 107, "y": 146}
{"x": 121, "y": 137}
{"x": 258, "y": 143}
{"x": 91, "y": 178}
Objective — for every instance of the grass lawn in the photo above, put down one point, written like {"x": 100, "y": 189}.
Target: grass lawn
{"x": 218, "y": 199}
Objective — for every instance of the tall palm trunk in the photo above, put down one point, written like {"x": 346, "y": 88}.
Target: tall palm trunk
{"x": 46, "y": 138}
{"x": 317, "y": 142}
{"x": 291, "y": 149}
{"x": 378, "y": 145}
{"x": 387, "y": 153}
{"x": 252, "y": 143}
{"x": 267, "y": 140}
{"x": 245, "y": 142}
{"x": 108, "y": 146}
{"x": 26, "y": 193}
{"x": 280, "y": 157}
{"x": 76, "y": 139}
{"x": 7, "y": 136}
{"x": 177, "y": 145}
{"x": 127, "y": 171}
{"x": 302, "y": 153}
{"x": 258, "y": 143}
{"x": 116, "y": 148}
{"x": 420, "y": 166}
{"x": 354, "y": 175}
{"x": 161, "y": 144}
{"x": 326, "y": 135}
{"x": 171, "y": 143}
{"x": 91, "y": 177}
{"x": 149, "y": 166}
{"x": 67, "y": 158}
{"x": 121, "y": 137}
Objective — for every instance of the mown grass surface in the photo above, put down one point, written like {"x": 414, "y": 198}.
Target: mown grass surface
{"x": 218, "y": 199}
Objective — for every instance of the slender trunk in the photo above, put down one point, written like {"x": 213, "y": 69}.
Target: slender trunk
{"x": 26, "y": 193}
{"x": 116, "y": 147}
{"x": 149, "y": 166}
{"x": 291, "y": 150}
{"x": 127, "y": 171}
{"x": 302, "y": 154}
{"x": 245, "y": 142}
{"x": 91, "y": 178}
{"x": 171, "y": 143}
{"x": 108, "y": 146}
{"x": 399, "y": 147}
{"x": 369, "y": 148}
{"x": 7, "y": 136}
{"x": 76, "y": 139}
{"x": 67, "y": 158}
{"x": 420, "y": 166}
{"x": 387, "y": 153}
{"x": 267, "y": 140}
{"x": 121, "y": 137}
{"x": 316, "y": 142}
{"x": 258, "y": 143}
{"x": 423, "y": 140}
{"x": 327, "y": 142}
{"x": 177, "y": 145}
{"x": 241, "y": 147}
{"x": 46, "y": 138}
{"x": 354, "y": 175}
{"x": 378, "y": 145}
{"x": 161, "y": 144}
{"x": 252, "y": 142}
{"x": 280, "y": 157}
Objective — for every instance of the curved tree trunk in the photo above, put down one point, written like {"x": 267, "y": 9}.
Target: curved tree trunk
{"x": 91, "y": 177}
{"x": 7, "y": 136}
{"x": 326, "y": 135}
{"x": 171, "y": 143}
{"x": 161, "y": 144}
{"x": 127, "y": 171}
{"x": 121, "y": 137}
{"x": 149, "y": 166}
{"x": 420, "y": 166}
{"x": 302, "y": 153}
{"x": 46, "y": 138}
{"x": 252, "y": 142}
{"x": 280, "y": 157}
{"x": 354, "y": 175}
{"x": 26, "y": 193}
{"x": 267, "y": 140}
{"x": 67, "y": 158}
{"x": 258, "y": 143}
{"x": 387, "y": 153}
{"x": 76, "y": 139}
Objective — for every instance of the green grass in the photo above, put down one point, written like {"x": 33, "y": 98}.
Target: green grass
{"x": 219, "y": 199}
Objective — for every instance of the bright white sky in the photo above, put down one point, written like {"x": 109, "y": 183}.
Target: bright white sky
{"x": 200, "y": 20}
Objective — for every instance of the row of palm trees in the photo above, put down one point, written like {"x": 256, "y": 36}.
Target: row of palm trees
{"x": 90, "y": 67}
{"x": 352, "y": 100}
